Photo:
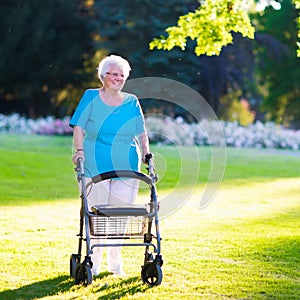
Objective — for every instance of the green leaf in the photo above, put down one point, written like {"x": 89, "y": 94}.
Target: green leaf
{"x": 211, "y": 25}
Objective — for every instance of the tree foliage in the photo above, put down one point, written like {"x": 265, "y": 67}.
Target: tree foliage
{"x": 279, "y": 71}
{"x": 41, "y": 52}
{"x": 50, "y": 50}
{"x": 231, "y": 66}
{"x": 211, "y": 25}
{"x": 127, "y": 30}
{"x": 297, "y": 5}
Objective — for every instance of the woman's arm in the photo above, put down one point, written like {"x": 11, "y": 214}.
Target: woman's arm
{"x": 144, "y": 142}
{"x": 78, "y": 144}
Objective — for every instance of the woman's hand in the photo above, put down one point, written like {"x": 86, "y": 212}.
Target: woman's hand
{"x": 147, "y": 157}
{"x": 78, "y": 154}
{"x": 144, "y": 142}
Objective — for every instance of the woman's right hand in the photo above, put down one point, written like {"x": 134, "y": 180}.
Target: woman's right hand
{"x": 79, "y": 154}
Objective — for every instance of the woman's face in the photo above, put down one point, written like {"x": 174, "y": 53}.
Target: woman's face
{"x": 114, "y": 79}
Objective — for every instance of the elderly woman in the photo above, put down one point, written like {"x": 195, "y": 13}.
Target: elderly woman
{"x": 109, "y": 127}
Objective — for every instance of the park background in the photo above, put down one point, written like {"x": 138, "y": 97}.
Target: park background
{"x": 245, "y": 245}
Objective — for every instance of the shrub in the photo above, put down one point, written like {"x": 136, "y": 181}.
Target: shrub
{"x": 258, "y": 135}
{"x": 165, "y": 130}
{"x": 49, "y": 126}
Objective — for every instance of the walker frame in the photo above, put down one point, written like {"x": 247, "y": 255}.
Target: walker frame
{"x": 109, "y": 222}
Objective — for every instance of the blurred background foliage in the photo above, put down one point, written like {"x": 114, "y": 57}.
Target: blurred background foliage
{"x": 50, "y": 50}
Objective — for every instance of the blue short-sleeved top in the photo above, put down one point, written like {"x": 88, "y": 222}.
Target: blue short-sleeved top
{"x": 110, "y": 132}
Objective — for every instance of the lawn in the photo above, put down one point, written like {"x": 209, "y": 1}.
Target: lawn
{"x": 244, "y": 245}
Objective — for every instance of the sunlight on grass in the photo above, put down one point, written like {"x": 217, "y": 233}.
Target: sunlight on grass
{"x": 244, "y": 245}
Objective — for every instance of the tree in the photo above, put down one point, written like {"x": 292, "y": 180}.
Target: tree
{"x": 127, "y": 27}
{"x": 279, "y": 71}
{"x": 211, "y": 25}
{"x": 297, "y": 6}
{"x": 229, "y": 73}
{"x": 41, "y": 53}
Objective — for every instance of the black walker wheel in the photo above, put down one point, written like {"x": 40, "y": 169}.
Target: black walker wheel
{"x": 83, "y": 274}
{"x": 74, "y": 262}
{"x": 152, "y": 274}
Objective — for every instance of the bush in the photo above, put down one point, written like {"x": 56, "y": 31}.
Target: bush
{"x": 269, "y": 135}
{"x": 49, "y": 126}
{"x": 167, "y": 131}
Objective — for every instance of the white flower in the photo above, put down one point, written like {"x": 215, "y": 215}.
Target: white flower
{"x": 165, "y": 130}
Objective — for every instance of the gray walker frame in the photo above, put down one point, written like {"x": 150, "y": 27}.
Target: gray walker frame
{"x": 119, "y": 222}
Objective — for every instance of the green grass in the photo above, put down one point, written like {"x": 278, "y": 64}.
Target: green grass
{"x": 35, "y": 168}
{"x": 244, "y": 245}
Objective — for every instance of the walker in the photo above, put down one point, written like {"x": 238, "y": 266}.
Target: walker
{"x": 132, "y": 223}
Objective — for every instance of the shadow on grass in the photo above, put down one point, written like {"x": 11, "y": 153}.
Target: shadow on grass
{"x": 64, "y": 284}
{"x": 39, "y": 289}
{"x": 124, "y": 287}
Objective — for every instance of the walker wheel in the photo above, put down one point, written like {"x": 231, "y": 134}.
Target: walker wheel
{"x": 152, "y": 274}
{"x": 74, "y": 261}
{"x": 83, "y": 274}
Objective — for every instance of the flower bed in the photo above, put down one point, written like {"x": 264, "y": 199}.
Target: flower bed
{"x": 269, "y": 135}
{"x": 16, "y": 124}
{"x": 166, "y": 130}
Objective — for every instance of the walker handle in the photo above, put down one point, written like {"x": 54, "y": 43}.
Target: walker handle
{"x": 79, "y": 168}
{"x": 151, "y": 167}
{"x": 148, "y": 156}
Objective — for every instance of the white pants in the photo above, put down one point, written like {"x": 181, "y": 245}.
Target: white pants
{"x": 110, "y": 192}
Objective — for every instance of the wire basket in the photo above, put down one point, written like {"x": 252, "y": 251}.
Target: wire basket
{"x": 118, "y": 225}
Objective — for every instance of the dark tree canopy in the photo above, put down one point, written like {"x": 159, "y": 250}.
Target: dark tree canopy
{"x": 279, "y": 68}
{"x": 41, "y": 52}
{"x": 50, "y": 50}
{"x": 127, "y": 30}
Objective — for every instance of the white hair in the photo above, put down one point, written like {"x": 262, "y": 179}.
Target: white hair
{"x": 113, "y": 61}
